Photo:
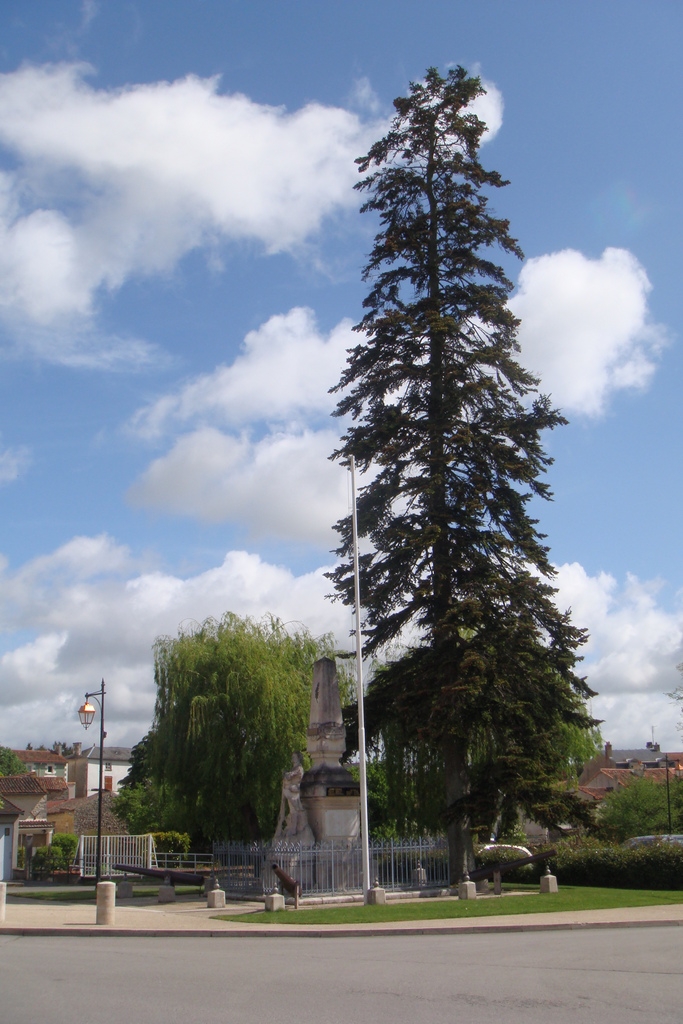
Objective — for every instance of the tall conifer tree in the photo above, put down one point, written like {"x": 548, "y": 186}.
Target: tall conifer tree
{"x": 448, "y": 426}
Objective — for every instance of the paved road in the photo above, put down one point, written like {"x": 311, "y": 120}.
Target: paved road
{"x": 612, "y": 976}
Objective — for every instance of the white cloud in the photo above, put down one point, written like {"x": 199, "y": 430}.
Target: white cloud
{"x": 282, "y": 485}
{"x": 279, "y": 482}
{"x": 631, "y": 657}
{"x": 95, "y": 612}
{"x": 586, "y": 329}
{"x": 489, "y": 108}
{"x": 113, "y": 183}
{"x": 283, "y": 373}
{"x": 13, "y": 462}
{"x": 89, "y": 609}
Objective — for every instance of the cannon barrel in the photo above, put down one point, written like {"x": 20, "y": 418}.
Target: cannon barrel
{"x": 503, "y": 866}
{"x": 173, "y": 876}
{"x": 291, "y": 885}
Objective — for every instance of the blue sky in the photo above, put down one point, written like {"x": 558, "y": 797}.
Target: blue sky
{"x": 180, "y": 257}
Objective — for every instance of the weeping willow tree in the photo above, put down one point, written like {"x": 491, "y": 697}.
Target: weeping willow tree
{"x": 233, "y": 700}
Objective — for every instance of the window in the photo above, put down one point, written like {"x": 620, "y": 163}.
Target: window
{"x": 50, "y": 770}
{"x": 107, "y": 767}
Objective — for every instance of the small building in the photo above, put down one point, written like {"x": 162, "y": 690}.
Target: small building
{"x": 614, "y": 769}
{"x": 43, "y": 762}
{"x": 28, "y": 793}
{"x": 9, "y": 837}
{"x": 84, "y": 769}
{"x": 78, "y": 816}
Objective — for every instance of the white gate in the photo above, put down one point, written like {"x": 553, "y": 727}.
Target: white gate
{"x": 138, "y": 851}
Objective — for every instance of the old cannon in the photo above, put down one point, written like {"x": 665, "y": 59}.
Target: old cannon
{"x": 169, "y": 876}
{"x": 290, "y": 884}
{"x": 496, "y": 870}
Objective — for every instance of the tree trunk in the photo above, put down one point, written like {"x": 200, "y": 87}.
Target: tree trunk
{"x": 460, "y": 850}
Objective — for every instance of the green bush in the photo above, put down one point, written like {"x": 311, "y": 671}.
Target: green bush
{"x": 171, "y": 842}
{"x": 63, "y": 850}
{"x": 56, "y": 857}
{"x": 659, "y": 866}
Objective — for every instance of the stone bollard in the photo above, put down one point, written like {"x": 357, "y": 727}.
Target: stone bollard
{"x": 467, "y": 890}
{"x": 548, "y": 881}
{"x": 166, "y": 894}
{"x": 377, "y": 896}
{"x": 215, "y": 898}
{"x": 124, "y": 889}
{"x": 275, "y": 901}
{"x": 3, "y": 896}
{"x": 106, "y": 903}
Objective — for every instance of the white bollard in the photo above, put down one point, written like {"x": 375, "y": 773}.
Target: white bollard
{"x": 548, "y": 882}
{"x": 275, "y": 901}
{"x": 3, "y": 895}
{"x": 106, "y": 903}
{"x": 467, "y": 890}
{"x": 377, "y": 896}
{"x": 215, "y": 899}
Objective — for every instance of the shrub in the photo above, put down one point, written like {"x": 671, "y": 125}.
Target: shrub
{"x": 171, "y": 842}
{"x": 659, "y": 866}
{"x": 56, "y": 857}
{"x": 63, "y": 850}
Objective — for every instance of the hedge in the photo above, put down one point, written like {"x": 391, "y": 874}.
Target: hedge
{"x": 659, "y": 866}
{"x": 589, "y": 862}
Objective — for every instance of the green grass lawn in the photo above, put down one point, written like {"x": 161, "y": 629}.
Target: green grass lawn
{"x": 88, "y": 893}
{"x": 568, "y": 898}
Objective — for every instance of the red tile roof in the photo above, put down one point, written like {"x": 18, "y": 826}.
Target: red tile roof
{"x": 21, "y": 785}
{"x": 53, "y": 784}
{"x": 40, "y": 756}
{"x": 7, "y": 807}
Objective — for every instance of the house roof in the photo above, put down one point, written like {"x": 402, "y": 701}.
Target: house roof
{"x": 21, "y": 785}
{"x": 40, "y": 756}
{"x": 30, "y": 823}
{"x": 7, "y": 807}
{"x": 121, "y": 754}
{"x": 84, "y": 810}
{"x": 53, "y": 784}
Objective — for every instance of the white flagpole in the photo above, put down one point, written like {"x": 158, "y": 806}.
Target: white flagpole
{"x": 359, "y": 685}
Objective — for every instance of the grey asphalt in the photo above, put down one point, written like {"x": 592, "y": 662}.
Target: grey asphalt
{"x": 604, "y": 976}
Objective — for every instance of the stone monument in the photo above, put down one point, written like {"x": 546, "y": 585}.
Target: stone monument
{"x": 329, "y": 794}
{"x": 292, "y": 825}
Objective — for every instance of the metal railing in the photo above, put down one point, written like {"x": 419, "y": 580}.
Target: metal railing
{"x": 135, "y": 850}
{"x": 196, "y": 862}
{"x": 333, "y": 867}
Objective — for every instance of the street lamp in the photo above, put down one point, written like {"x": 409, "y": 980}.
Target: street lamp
{"x": 86, "y": 713}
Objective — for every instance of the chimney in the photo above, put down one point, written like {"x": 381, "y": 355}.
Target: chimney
{"x": 77, "y": 749}
{"x": 608, "y": 751}
{"x": 57, "y": 748}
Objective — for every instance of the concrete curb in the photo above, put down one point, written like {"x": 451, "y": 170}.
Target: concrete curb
{"x": 331, "y": 932}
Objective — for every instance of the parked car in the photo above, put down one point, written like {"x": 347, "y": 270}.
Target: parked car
{"x": 651, "y": 840}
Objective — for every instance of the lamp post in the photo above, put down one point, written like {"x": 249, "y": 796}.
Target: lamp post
{"x": 668, "y": 794}
{"x": 86, "y": 713}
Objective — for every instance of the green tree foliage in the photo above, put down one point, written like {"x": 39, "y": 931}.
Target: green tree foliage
{"x": 143, "y": 808}
{"x": 10, "y": 763}
{"x": 233, "y": 701}
{"x": 640, "y": 809}
{"x": 58, "y": 856}
{"x": 448, "y": 426}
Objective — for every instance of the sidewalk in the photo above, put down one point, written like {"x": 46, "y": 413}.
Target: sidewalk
{"x": 193, "y": 919}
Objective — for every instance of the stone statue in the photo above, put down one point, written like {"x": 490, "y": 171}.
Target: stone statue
{"x": 292, "y": 823}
